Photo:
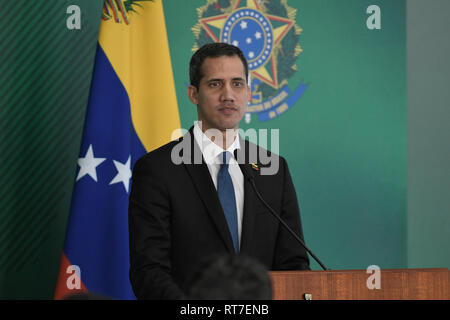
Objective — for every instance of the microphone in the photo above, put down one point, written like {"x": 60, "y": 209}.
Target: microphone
{"x": 251, "y": 179}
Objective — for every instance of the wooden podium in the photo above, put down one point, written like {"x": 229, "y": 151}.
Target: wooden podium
{"x": 395, "y": 284}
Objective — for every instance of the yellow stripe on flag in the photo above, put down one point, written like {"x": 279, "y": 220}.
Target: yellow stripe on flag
{"x": 139, "y": 54}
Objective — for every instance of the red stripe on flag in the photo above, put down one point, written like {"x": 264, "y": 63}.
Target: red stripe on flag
{"x": 67, "y": 280}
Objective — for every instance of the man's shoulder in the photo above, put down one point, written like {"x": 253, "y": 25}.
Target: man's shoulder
{"x": 254, "y": 150}
{"x": 163, "y": 150}
{"x": 161, "y": 155}
{"x": 265, "y": 162}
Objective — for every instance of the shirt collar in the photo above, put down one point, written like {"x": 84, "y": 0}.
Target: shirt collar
{"x": 209, "y": 149}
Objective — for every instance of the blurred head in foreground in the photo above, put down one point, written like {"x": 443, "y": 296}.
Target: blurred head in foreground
{"x": 86, "y": 296}
{"x": 231, "y": 277}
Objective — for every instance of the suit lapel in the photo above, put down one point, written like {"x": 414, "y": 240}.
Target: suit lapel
{"x": 250, "y": 201}
{"x": 204, "y": 185}
{"x": 248, "y": 220}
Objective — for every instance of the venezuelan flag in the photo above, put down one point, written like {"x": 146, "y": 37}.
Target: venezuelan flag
{"x": 132, "y": 110}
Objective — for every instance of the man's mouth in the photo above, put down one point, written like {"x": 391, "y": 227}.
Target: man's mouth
{"x": 227, "y": 109}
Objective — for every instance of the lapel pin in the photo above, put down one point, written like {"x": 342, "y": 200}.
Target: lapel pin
{"x": 255, "y": 167}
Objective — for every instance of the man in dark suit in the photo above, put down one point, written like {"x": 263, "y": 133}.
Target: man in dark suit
{"x": 192, "y": 198}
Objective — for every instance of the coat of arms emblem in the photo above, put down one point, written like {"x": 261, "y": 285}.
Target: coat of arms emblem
{"x": 267, "y": 33}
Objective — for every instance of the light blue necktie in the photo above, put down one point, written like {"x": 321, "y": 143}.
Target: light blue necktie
{"x": 227, "y": 198}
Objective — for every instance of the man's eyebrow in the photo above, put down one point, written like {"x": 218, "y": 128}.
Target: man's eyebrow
{"x": 219, "y": 79}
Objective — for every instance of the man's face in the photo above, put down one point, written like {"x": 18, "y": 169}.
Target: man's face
{"x": 223, "y": 94}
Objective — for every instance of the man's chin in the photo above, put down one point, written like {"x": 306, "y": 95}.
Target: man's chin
{"x": 222, "y": 124}
{"x": 231, "y": 127}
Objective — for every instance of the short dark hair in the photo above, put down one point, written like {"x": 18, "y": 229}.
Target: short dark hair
{"x": 230, "y": 277}
{"x": 213, "y": 50}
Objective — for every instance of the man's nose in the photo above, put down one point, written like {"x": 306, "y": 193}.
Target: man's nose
{"x": 227, "y": 93}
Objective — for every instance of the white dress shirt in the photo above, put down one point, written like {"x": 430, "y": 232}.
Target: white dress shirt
{"x": 212, "y": 154}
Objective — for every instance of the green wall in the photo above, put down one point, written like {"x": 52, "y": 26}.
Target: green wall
{"x": 44, "y": 86}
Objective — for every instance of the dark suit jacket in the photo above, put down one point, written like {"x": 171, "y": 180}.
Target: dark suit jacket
{"x": 176, "y": 220}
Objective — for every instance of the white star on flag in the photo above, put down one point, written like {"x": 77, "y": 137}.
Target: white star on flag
{"x": 123, "y": 173}
{"x": 248, "y": 40}
{"x": 251, "y": 54}
{"x": 235, "y": 43}
{"x": 88, "y": 164}
{"x": 243, "y": 25}
{"x": 258, "y": 35}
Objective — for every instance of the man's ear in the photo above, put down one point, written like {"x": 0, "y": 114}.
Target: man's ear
{"x": 192, "y": 93}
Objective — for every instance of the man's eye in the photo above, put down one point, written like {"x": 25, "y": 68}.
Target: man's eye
{"x": 238, "y": 84}
{"x": 214, "y": 84}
